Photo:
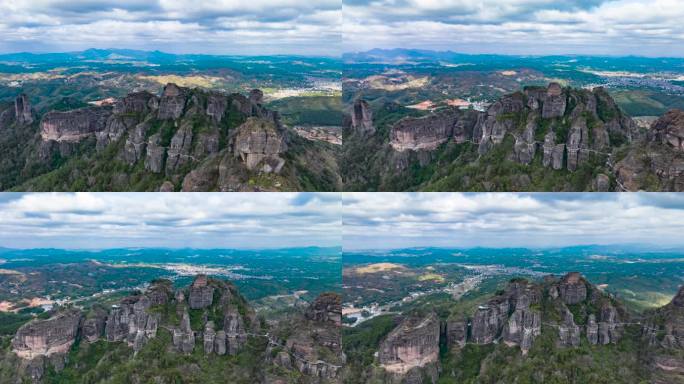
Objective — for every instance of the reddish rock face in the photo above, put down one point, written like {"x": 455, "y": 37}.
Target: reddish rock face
{"x": 414, "y": 343}
{"x": 53, "y": 336}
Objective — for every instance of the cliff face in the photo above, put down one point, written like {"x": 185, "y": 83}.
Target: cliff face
{"x": 23, "y": 111}
{"x": 74, "y": 126}
{"x": 513, "y": 317}
{"x": 131, "y": 320}
{"x": 53, "y": 336}
{"x": 413, "y": 344}
{"x": 657, "y": 164}
{"x": 663, "y": 337}
{"x": 362, "y": 118}
{"x": 258, "y": 144}
{"x": 313, "y": 348}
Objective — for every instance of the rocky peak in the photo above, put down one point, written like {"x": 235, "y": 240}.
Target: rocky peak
{"x": 327, "y": 308}
{"x": 256, "y": 96}
{"x": 678, "y": 300}
{"x": 53, "y": 336}
{"x": 572, "y": 288}
{"x": 554, "y": 89}
{"x": 669, "y": 129}
{"x": 555, "y": 102}
{"x": 412, "y": 344}
{"x": 137, "y": 102}
{"x": 172, "y": 102}
{"x": 362, "y": 117}
{"x": 201, "y": 294}
{"x": 22, "y": 110}
{"x": 171, "y": 90}
{"x": 258, "y": 143}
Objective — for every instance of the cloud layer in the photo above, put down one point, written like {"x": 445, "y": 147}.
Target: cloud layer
{"x": 179, "y": 26}
{"x": 207, "y": 220}
{"x": 600, "y": 27}
{"x": 382, "y": 220}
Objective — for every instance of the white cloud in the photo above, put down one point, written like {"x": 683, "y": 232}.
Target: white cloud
{"x": 641, "y": 27}
{"x": 509, "y": 219}
{"x": 223, "y": 26}
{"x": 172, "y": 220}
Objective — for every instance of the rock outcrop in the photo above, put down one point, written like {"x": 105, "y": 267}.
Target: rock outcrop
{"x": 183, "y": 335}
{"x": 23, "y": 111}
{"x": 258, "y": 143}
{"x": 130, "y": 321}
{"x": 327, "y": 308}
{"x": 201, "y": 294}
{"x": 570, "y": 126}
{"x": 362, "y": 118}
{"x": 94, "y": 325}
{"x": 172, "y": 102}
{"x": 669, "y": 129}
{"x": 74, "y": 126}
{"x": 456, "y": 332}
{"x": 572, "y": 288}
{"x": 413, "y": 344}
{"x": 657, "y": 164}
{"x": 52, "y": 336}
{"x": 314, "y": 347}
{"x": 425, "y": 133}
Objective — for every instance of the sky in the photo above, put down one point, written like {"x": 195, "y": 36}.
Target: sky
{"x": 404, "y": 220}
{"x": 527, "y": 27}
{"x": 251, "y": 27}
{"x": 206, "y": 220}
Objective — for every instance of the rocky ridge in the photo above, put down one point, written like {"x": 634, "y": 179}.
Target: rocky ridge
{"x": 580, "y": 133}
{"x": 570, "y": 307}
{"x": 562, "y": 124}
{"x": 186, "y": 139}
{"x": 209, "y": 317}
